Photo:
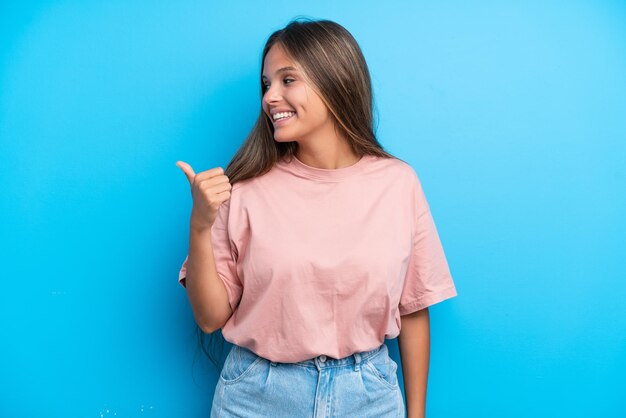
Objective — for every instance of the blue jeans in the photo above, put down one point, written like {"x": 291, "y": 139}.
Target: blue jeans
{"x": 363, "y": 385}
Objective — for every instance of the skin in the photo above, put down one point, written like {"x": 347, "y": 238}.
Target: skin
{"x": 414, "y": 345}
{"x": 321, "y": 146}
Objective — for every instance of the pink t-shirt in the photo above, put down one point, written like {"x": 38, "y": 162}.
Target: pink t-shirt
{"x": 324, "y": 261}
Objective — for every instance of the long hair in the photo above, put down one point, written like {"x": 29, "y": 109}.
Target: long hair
{"x": 334, "y": 67}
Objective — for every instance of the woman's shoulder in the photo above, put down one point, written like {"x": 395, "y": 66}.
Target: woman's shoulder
{"x": 241, "y": 186}
{"x": 396, "y": 167}
{"x": 250, "y": 186}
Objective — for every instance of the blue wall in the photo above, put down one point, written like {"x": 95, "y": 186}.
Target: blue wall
{"x": 512, "y": 115}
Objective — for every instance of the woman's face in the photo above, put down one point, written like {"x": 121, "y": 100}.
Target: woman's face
{"x": 286, "y": 90}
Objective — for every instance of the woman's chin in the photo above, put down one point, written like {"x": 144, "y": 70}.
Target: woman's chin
{"x": 281, "y": 138}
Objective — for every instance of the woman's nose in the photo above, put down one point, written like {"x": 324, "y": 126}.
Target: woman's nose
{"x": 271, "y": 94}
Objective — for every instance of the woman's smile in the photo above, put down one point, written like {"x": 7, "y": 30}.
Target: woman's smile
{"x": 284, "y": 120}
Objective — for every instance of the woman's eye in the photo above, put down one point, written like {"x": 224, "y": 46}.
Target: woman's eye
{"x": 265, "y": 86}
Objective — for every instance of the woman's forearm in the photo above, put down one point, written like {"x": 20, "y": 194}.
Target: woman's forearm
{"x": 414, "y": 345}
{"x": 207, "y": 293}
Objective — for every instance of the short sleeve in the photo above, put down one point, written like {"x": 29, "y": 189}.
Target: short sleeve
{"x": 225, "y": 254}
{"x": 428, "y": 280}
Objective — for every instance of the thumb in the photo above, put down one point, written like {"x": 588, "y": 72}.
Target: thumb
{"x": 187, "y": 170}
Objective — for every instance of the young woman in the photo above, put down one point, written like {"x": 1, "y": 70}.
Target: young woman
{"x": 314, "y": 246}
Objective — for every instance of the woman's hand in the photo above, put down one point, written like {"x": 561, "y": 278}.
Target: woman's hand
{"x": 209, "y": 189}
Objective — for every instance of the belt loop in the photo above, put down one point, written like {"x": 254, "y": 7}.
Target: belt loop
{"x": 357, "y": 361}
{"x": 273, "y": 363}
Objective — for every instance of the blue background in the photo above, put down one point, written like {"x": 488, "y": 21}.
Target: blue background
{"x": 513, "y": 115}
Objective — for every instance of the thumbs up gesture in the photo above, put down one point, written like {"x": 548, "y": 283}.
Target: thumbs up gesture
{"x": 209, "y": 189}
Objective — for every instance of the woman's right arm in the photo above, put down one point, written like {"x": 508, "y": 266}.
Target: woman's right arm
{"x": 206, "y": 291}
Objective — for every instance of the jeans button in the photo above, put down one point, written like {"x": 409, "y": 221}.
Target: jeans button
{"x": 322, "y": 358}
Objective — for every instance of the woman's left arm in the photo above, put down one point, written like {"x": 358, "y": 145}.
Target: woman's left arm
{"x": 414, "y": 344}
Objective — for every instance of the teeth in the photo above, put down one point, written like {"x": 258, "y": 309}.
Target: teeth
{"x": 277, "y": 116}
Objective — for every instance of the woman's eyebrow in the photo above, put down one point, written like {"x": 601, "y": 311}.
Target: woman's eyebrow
{"x": 282, "y": 70}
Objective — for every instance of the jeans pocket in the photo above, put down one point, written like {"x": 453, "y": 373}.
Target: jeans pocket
{"x": 383, "y": 368}
{"x": 239, "y": 363}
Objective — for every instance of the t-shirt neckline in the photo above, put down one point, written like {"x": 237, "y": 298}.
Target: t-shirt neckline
{"x": 332, "y": 174}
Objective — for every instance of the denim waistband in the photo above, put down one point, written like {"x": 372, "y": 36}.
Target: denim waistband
{"x": 324, "y": 361}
